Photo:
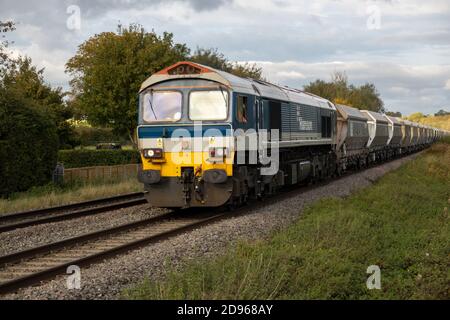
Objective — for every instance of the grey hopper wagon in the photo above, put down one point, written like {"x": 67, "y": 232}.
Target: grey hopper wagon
{"x": 378, "y": 130}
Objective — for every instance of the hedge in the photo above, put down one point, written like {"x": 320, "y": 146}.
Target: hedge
{"x": 91, "y": 158}
{"x": 28, "y": 144}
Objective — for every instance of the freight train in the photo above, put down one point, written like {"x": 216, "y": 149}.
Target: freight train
{"x": 209, "y": 138}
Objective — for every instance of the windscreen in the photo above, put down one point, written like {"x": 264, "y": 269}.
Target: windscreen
{"x": 162, "y": 106}
{"x": 208, "y": 105}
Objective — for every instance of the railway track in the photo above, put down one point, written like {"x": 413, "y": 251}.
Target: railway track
{"x": 30, "y": 218}
{"x": 28, "y": 267}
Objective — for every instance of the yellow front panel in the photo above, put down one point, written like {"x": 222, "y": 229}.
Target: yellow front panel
{"x": 172, "y": 163}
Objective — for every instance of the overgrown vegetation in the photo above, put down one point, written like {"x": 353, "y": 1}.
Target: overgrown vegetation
{"x": 51, "y": 195}
{"x": 91, "y": 158}
{"x": 401, "y": 224}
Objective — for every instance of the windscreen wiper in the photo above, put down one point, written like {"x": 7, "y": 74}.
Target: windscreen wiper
{"x": 151, "y": 106}
{"x": 223, "y": 95}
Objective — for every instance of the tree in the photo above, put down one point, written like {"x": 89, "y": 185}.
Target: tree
{"x": 28, "y": 143}
{"x": 5, "y": 61}
{"x": 366, "y": 97}
{"x": 23, "y": 76}
{"x": 109, "y": 68}
{"x": 214, "y": 59}
{"x": 441, "y": 113}
{"x": 339, "y": 91}
{"x": 416, "y": 117}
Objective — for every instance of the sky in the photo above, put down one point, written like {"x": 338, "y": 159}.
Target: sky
{"x": 403, "y": 47}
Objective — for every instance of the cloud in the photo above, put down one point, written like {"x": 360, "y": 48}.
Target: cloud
{"x": 447, "y": 85}
{"x": 404, "y": 88}
{"x": 294, "y": 41}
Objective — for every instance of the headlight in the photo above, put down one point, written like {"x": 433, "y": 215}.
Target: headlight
{"x": 153, "y": 153}
{"x": 220, "y": 152}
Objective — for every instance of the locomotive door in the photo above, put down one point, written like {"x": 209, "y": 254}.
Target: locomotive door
{"x": 263, "y": 126}
{"x": 263, "y": 116}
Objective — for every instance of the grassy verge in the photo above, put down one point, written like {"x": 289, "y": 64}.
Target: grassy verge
{"x": 48, "y": 196}
{"x": 400, "y": 223}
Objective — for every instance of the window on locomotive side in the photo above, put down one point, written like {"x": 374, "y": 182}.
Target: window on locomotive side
{"x": 326, "y": 127}
{"x": 162, "y": 106}
{"x": 241, "y": 112}
{"x": 208, "y": 105}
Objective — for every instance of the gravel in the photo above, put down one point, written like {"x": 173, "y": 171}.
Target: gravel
{"x": 108, "y": 279}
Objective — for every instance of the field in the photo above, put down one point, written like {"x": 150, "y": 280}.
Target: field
{"x": 48, "y": 196}
{"x": 401, "y": 224}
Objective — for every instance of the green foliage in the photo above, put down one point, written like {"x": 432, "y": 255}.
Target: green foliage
{"x": 109, "y": 69}
{"x": 25, "y": 77}
{"x": 28, "y": 143}
{"x": 28, "y": 134}
{"x": 91, "y": 158}
{"x": 365, "y": 97}
{"x": 216, "y": 60}
{"x": 415, "y": 117}
{"x": 400, "y": 224}
{"x": 5, "y": 61}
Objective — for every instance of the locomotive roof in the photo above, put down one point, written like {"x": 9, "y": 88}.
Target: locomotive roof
{"x": 190, "y": 70}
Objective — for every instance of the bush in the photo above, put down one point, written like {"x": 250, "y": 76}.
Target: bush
{"x": 92, "y": 158}
{"x": 28, "y": 144}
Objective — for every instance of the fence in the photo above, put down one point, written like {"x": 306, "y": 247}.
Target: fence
{"x": 101, "y": 173}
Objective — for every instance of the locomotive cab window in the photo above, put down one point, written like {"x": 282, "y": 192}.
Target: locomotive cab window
{"x": 208, "y": 105}
{"x": 162, "y": 106}
{"x": 241, "y": 112}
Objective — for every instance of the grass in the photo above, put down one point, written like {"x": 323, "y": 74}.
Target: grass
{"x": 50, "y": 195}
{"x": 401, "y": 224}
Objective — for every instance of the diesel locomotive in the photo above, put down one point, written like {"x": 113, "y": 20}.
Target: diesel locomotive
{"x": 209, "y": 138}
